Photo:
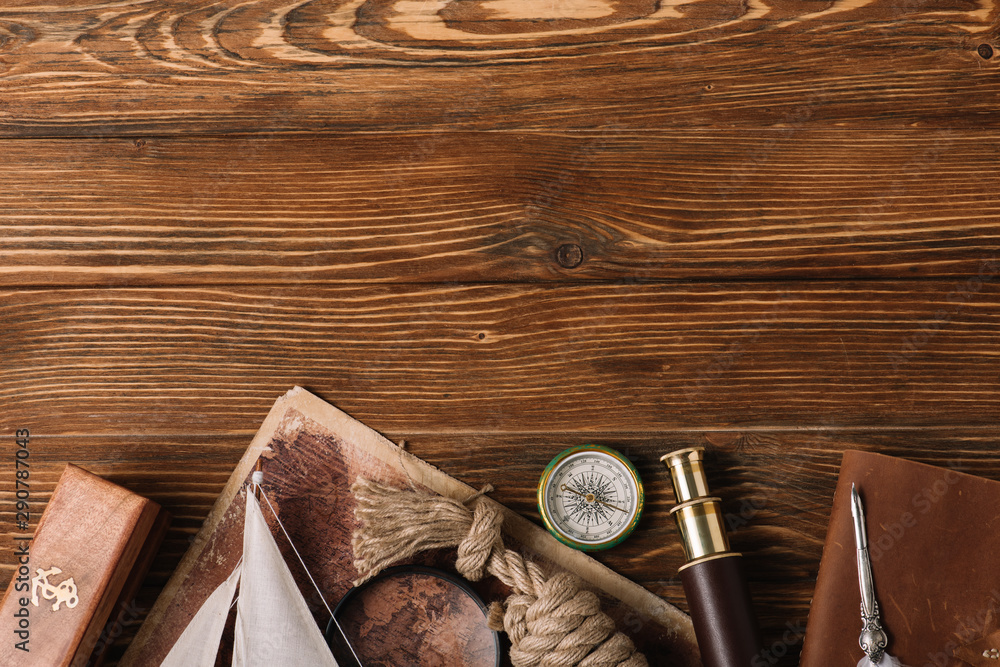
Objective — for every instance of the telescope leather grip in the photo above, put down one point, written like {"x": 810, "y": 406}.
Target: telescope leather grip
{"x": 723, "y": 617}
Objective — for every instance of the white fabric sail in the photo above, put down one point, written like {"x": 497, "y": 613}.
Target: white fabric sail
{"x": 273, "y": 624}
{"x": 199, "y": 643}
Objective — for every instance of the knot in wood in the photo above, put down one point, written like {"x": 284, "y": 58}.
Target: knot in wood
{"x": 569, "y": 255}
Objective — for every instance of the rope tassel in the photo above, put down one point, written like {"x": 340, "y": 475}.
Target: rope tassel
{"x": 551, "y": 621}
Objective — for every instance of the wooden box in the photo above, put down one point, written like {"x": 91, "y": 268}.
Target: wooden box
{"x": 91, "y": 549}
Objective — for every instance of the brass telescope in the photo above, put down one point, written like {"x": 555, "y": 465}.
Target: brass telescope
{"x": 714, "y": 581}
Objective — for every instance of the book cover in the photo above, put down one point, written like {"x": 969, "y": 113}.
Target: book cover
{"x": 934, "y": 536}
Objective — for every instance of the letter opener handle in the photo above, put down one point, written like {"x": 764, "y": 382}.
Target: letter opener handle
{"x": 873, "y": 639}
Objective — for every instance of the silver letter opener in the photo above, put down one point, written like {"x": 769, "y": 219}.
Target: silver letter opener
{"x": 873, "y": 639}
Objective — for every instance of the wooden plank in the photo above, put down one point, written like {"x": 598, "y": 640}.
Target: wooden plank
{"x": 795, "y": 203}
{"x": 519, "y": 358}
{"x": 222, "y": 67}
{"x": 776, "y": 488}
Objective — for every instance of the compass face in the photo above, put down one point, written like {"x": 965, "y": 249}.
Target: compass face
{"x": 590, "y": 497}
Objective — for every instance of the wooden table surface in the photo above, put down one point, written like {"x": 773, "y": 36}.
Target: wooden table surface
{"x": 498, "y": 228}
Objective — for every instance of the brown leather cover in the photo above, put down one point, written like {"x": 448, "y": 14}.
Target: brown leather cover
{"x": 934, "y": 542}
{"x": 724, "y": 620}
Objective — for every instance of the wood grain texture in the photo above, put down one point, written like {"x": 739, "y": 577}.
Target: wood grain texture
{"x": 518, "y": 358}
{"x": 482, "y": 207}
{"x": 497, "y": 228}
{"x": 359, "y": 65}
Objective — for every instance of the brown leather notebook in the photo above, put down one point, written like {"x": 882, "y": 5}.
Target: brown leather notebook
{"x": 934, "y": 542}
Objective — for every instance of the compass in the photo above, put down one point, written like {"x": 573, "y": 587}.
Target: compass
{"x": 590, "y": 497}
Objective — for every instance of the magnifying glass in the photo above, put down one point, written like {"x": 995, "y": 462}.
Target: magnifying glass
{"x": 413, "y": 615}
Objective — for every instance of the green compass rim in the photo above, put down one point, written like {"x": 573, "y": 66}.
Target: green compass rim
{"x": 550, "y": 524}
